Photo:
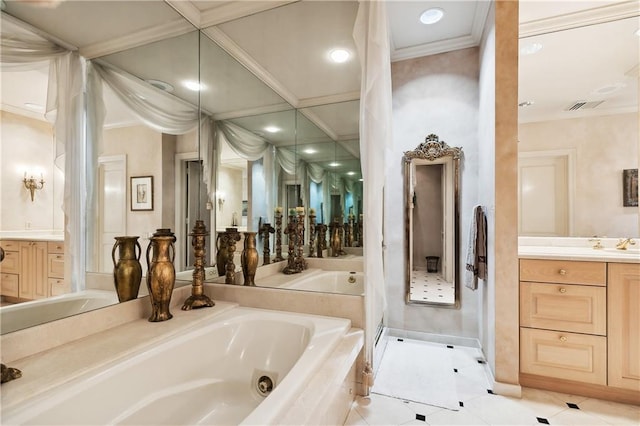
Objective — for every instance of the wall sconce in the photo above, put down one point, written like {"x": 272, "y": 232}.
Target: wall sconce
{"x": 221, "y": 199}
{"x": 32, "y": 184}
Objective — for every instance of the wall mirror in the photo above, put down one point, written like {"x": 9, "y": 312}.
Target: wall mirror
{"x": 190, "y": 69}
{"x": 431, "y": 174}
{"x": 570, "y": 182}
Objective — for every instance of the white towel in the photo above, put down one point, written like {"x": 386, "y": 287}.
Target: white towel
{"x": 476, "y": 265}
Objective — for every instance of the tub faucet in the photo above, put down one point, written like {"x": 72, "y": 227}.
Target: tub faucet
{"x": 597, "y": 244}
{"x": 624, "y": 242}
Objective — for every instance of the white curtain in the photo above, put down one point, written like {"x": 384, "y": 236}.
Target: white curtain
{"x": 65, "y": 108}
{"x": 371, "y": 36}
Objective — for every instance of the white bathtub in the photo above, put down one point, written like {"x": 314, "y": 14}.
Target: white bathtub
{"x": 27, "y": 314}
{"x": 330, "y": 282}
{"x": 206, "y": 376}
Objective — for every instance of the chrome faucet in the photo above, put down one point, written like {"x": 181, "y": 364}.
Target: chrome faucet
{"x": 597, "y": 243}
{"x": 624, "y": 243}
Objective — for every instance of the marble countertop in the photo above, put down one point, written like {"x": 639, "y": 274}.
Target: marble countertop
{"x": 607, "y": 254}
{"x": 46, "y": 235}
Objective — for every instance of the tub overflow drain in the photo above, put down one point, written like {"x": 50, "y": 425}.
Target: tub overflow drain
{"x": 265, "y": 385}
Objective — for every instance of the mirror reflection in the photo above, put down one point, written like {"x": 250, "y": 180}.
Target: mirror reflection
{"x": 196, "y": 173}
{"x": 431, "y": 204}
{"x": 578, "y": 131}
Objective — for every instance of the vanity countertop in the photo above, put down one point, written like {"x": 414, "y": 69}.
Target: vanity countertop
{"x": 57, "y": 236}
{"x": 579, "y": 253}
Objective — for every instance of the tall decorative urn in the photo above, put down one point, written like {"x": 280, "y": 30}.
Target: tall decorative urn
{"x": 161, "y": 274}
{"x": 127, "y": 272}
{"x": 249, "y": 259}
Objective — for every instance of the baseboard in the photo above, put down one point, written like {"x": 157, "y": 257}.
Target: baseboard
{"x": 608, "y": 393}
{"x": 435, "y": 338}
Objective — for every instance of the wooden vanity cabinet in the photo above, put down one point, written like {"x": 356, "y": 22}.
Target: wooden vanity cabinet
{"x": 624, "y": 325}
{"x": 32, "y": 269}
{"x": 580, "y": 328}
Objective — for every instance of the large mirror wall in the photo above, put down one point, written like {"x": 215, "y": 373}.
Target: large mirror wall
{"x": 322, "y": 132}
{"x": 578, "y": 121}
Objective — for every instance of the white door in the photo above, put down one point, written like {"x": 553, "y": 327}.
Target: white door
{"x": 543, "y": 194}
{"x": 112, "y": 207}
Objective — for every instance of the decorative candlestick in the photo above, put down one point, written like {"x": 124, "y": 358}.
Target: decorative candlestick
{"x": 265, "y": 230}
{"x": 233, "y": 236}
{"x": 322, "y": 243}
{"x": 360, "y": 232}
{"x": 221, "y": 253}
{"x": 278, "y": 248}
{"x": 312, "y": 233}
{"x": 350, "y": 231}
{"x": 292, "y": 232}
{"x": 198, "y": 299}
{"x": 301, "y": 264}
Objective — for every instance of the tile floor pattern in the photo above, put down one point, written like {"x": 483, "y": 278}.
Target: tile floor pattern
{"x": 430, "y": 287}
{"x": 479, "y": 407}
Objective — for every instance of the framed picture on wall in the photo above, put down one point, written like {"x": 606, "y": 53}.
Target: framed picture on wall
{"x": 141, "y": 193}
{"x": 630, "y": 188}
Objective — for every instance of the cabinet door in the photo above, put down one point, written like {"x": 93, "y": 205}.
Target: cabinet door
{"x": 9, "y": 284}
{"x": 33, "y": 265}
{"x": 624, "y": 325}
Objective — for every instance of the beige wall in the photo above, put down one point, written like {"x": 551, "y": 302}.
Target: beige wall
{"x": 27, "y": 145}
{"x": 143, "y": 148}
{"x": 433, "y": 94}
{"x": 603, "y": 147}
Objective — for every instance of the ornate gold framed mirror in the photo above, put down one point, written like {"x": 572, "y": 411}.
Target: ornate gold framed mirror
{"x": 431, "y": 176}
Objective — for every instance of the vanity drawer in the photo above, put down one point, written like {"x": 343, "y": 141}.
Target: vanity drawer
{"x": 10, "y": 245}
{"x": 563, "y": 271}
{"x": 57, "y": 286}
{"x": 11, "y": 262}
{"x": 576, "y": 308}
{"x": 55, "y": 247}
{"x": 568, "y": 356}
{"x": 55, "y": 265}
{"x": 10, "y": 284}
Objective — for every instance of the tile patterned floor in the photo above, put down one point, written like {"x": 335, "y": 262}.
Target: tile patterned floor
{"x": 479, "y": 407}
{"x": 430, "y": 287}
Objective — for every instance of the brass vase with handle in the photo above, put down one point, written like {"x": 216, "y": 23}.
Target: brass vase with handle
{"x": 249, "y": 259}
{"x": 127, "y": 271}
{"x": 161, "y": 274}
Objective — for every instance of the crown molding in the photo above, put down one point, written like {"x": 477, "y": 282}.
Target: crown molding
{"x": 434, "y": 48}
{"x": 313, "y": 117}
{"x": 253, "y": 111}
{"x": 570, "y": 115}
{"x": 237, "y": 9}
{"x": 480, "y": 20}
{"x": 583, "y": 18}
{"x": 24, "y": 112}
{"x": 149, "y": 35}
{"x": 187, "y": 9}
{"x": 240, "y": 55}
{"x": 329, "y": 99}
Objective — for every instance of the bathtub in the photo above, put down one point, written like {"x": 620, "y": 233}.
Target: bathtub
{"x": 213, "y": 374}
{"x": 27, "y": 314}
{"x": 330, "y": 282}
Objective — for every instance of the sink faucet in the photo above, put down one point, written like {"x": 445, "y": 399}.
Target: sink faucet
{"x": 9, "y": 373}
{"x": 597, "y": 243}
{"x": 623, "y": 243}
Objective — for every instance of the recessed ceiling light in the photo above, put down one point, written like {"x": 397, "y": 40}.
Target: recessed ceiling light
{"x": 638, "y": 32}
{"x": 431, "y": 16}
{"x": 351, "y": 173}
{"x": 272, "y": 129}
{"x": 193, "y": 85}
{"x": 525, "y": 104}
{"x": 334, "y": 164}
{"x": 309, "y": 151}
{"x": 360, "y": 180}
{"x": 34, "y": 107}
{"x": 339, "y": 55}
{"x": 608, "y": 89}
{"x": 161, "y": 85}
{"x": 530, "y": 48}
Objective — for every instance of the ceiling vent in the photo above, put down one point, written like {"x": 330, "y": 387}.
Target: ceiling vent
{"x": 582, "y": 105}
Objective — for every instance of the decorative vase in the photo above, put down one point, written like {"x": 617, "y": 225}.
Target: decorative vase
{"x": 249, "y": 259}
{"x": 127, "y": 272}
{"x": 335, "y": 239}
{"x": 161, "y": 274}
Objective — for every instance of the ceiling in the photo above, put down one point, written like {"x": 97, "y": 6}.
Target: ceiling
{"x": 294, "y": 70}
